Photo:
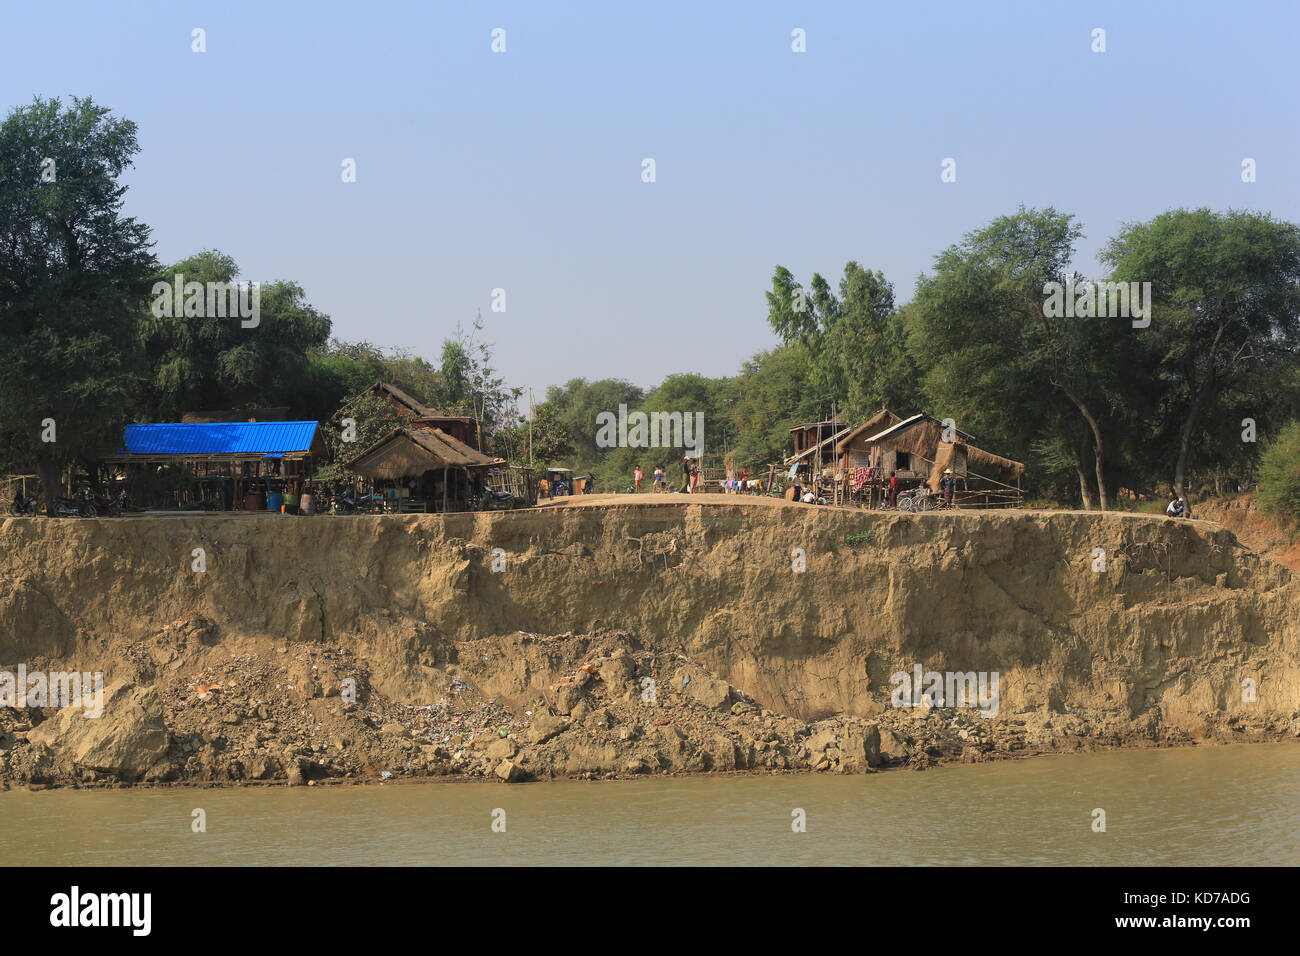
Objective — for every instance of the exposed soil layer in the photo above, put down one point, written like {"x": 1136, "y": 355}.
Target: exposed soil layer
{"x": 618, "y": 637}
{"x": 1274, "y": 539}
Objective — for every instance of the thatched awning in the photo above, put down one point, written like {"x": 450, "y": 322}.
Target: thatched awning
{"x": 408, "y": 452}
{"x": 981, "y": 458}
{"x": 962, "y": 456}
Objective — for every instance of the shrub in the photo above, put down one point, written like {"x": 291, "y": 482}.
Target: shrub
{"x": 1279, "y": 474}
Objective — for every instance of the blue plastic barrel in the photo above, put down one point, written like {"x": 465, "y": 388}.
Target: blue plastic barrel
{"x": 274, "y": 500}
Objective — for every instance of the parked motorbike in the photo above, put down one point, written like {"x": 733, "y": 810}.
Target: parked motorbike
{"x": 111, "y": 506}
{"x": 24, "y": 506}
{"x": 349, "y": 504}
{"x": 82, "y": 506}
{"x": 498, "y": 501}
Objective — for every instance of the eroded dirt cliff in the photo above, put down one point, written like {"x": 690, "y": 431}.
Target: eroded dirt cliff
{"x": 801, "y": 614}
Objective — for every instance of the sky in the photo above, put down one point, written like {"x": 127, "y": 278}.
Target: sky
{"x": 524, "y": 171}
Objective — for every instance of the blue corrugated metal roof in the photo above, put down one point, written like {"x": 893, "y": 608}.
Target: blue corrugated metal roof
{"x": 220, "y": 438}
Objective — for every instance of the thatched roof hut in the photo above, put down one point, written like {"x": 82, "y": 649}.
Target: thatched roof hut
{"x": 410, "y": 452}
{"x": 915, "y": 447}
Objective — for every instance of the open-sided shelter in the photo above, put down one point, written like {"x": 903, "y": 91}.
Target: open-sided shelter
{"x": 426, "y": 469}
{"x": 232, "y": 462}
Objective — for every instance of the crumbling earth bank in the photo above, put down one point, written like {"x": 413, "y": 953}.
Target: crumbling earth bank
{"x": 519, "y": 645}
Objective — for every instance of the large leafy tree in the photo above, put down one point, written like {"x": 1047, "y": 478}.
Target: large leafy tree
{"x": 73, "y": 272}
{"x": 998, "y": 360}
{"x": 855, "y": 342}
{"x": 208, "y": 362}
{"x": 1226, "y": 290}
{"x": 578, "y": 402}
{"x": 1279, "y": 478}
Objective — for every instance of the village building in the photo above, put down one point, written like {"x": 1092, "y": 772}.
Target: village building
{"x": 812, "y": 437}
{"x": 420, "y": 467}
{"x": 920, "y": 449}
{"x": 217, "y": 465}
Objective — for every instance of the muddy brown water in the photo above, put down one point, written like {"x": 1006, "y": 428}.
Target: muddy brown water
{"x": 1214, "y": 805}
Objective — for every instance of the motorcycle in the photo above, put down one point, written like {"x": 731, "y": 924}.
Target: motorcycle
{"x": 498, "y": 501}
{"x": 82, "y": 506}
{"x": 348, "y": 504}
{"x": 24, "y": 506}
{"x": 111, "y": 506}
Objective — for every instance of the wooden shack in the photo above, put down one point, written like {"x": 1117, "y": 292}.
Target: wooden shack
{"x": 919, "y": 449}
{"x": 809, "y": 436}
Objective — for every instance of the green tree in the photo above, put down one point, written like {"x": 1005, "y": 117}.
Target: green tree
{"x": 201, "y": 362}
{"x": 551, "y": 442}
{"x": 996, "y": 358}
{"x": 73, "y": 272}
{"x": 772, "y": 396}
{"x": 1226, "y": 300}
{"x": 470, "y": 385}
{"x": 373, "y": 417}
{"x": 855, "y": 343}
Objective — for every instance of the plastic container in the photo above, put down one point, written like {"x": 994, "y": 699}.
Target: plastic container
{"x": 274, "y": 500}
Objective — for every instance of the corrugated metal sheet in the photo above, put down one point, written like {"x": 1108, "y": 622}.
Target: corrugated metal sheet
{"x": 220, "y": 438}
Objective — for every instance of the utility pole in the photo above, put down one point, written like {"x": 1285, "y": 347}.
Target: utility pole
{"x": 531, "y": 414}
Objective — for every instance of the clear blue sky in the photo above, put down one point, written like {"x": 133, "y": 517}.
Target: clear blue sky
{"x": 522, "y": 170}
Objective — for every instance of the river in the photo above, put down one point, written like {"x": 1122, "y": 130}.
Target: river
{"x": 1203, "y": 806}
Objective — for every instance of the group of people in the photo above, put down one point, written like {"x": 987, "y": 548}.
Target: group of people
{"x": 660, "y": 479}
{"x": 690, "y": 477}
{"x": 1179, "y": 508}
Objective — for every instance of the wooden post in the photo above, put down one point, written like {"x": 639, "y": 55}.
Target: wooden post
{"x": 444, "y": 489}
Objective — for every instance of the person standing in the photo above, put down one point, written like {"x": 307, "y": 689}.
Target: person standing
{"x": 636, "y": 478}
{"x": 659, "y": 483}
{"x": 686, "y": 475}
{"x": 893, "y": 490}
{"x": 948, "y": 484}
